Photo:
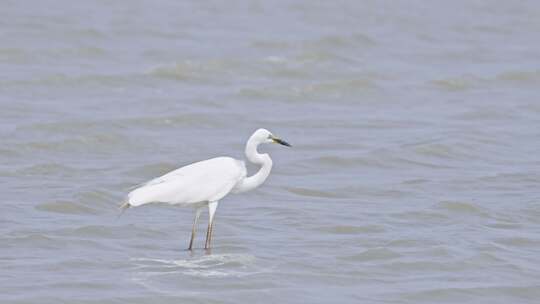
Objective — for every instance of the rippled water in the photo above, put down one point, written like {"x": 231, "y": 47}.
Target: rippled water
{"x": 413, "y": 178}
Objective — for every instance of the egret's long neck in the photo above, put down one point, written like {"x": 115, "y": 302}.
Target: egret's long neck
{"x": 255, "y": 157}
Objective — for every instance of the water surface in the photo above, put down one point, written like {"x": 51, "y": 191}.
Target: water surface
{"x": 413, "y": 178}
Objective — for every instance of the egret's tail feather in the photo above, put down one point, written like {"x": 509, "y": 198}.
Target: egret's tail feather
{"x": 125, "y": 205}
{"x": 123, "y": 208}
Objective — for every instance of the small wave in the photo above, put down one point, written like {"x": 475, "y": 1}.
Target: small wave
{"x": 339, "y": 161}
{"x": 65, "y": 208}
{"x": 420, "y": 216}
{"x": 376, "y": 159}
{"x": 301, "y": 66}
{"x": 97, "y": 231}
{"x": 373, "y": 254}
{"x": 77, "y": 52}
{"x": 354, "y": 40}
{"x": 401, "y": 161}
{"x": 468, "y": 81}
{"x": 98, "y": 198}
{"x": 482, "y": 294}
{"x": 486, "y": 113}
{"x": 415, "y": 181}
{"x": 525, "y": 77}
{"x": 312, "y": 192}
{"x": 320, "y": 90}
{"x": 47, "y": 169}
{"x": 505, "y": 226}
{"x": 32, "y": 240}
{"x": 195, "y": 70}
{"x": 459, "y": 83}
{"x": 191, "y": 119}
{"x": 412, "y": 243}
{"x": 13, "y": 55}
{"x": 85, "y": 233}
{"x": 341, "y": 229}
{"x": 88, "y": 32}
{"x": 461, "y": 207}
{"x": 308, "y": 58}
{"x": 519, "y": 242}
{"x": 120, "y": 80}
{"x": 9, "y": 153}
{"x": 448, "y": 151}
{"x": 103, "y": 142}
{"x": 272, "y": 44}
{"x": 65, "y": 126}
{"x": 510, "y": 178}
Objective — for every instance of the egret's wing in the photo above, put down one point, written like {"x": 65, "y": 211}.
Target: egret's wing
{"x": 157, "y": 180}
{"x": 207, "y": 180}
{"x": 168, "y": 176}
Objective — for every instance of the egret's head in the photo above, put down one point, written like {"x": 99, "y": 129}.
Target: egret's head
{"x": 265, "y": 136}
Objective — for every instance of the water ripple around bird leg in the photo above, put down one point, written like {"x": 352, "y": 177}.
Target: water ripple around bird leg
{"x": 212, "y": 265}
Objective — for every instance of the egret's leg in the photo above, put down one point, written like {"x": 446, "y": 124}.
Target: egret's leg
{"x": 197, "y": 214}
{"x": 212, "y": 206}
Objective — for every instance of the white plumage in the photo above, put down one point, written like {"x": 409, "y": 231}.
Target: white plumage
{"x": 206, "y": 182}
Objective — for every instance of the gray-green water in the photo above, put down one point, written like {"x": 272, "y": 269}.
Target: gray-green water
{"x": 414, "y": 176}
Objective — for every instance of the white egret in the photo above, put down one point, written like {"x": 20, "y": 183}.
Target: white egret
{"x": 206, "y": 182}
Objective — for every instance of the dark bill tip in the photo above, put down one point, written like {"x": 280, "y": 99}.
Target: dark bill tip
{"x": 281, "y": 142}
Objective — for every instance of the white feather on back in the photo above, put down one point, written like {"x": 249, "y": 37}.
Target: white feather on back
{"x": 204, "y": 181}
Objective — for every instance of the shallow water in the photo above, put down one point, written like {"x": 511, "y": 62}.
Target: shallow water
{"x": 413, "y": 178}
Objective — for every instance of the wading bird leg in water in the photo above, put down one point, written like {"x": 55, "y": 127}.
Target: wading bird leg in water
{"x": 197, "y": 214}
{"x": 212, "y": 206}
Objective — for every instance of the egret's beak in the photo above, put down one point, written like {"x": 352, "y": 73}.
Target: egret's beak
{"x": 280, "y": 141}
